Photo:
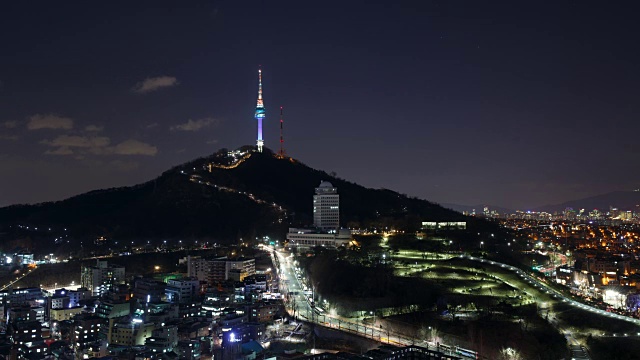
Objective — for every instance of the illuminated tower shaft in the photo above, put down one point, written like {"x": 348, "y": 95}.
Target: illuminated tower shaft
{"x": 260, "y": 112}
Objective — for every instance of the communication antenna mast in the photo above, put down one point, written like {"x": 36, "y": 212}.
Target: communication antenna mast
{"x": 281, "y": 154}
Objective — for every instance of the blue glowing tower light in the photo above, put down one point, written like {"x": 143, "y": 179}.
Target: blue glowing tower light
{"x": 260, "y": 113}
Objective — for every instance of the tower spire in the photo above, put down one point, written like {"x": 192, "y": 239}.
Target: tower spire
{"x": 281, "y": 154}
{"x": 260, "y": 113}
{"x": 260, "y": 104}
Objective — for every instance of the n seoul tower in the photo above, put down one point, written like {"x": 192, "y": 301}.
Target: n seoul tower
{"x": 260, "y": 111}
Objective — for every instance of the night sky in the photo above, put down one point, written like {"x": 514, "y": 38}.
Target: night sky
{"x": 512, "y": 103}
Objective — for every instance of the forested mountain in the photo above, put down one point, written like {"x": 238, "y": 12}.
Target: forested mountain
{"x": 221, "y": 197}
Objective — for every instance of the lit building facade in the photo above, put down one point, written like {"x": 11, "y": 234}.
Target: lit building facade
{"x": 217, "y": 270}
{"x": 130, "y": 333}
{"x": 444, "y": 225}
{"x": 65, "y": 313}
{"x": 102, "y": 277}
{"x": 326, "y": 207}
{"x": 308, "y": 238}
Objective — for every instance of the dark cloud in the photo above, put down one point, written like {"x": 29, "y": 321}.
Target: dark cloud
{"x": 195, "y": 125}
{"x": 10, "y": 124}
{"x": 49, "y": 121}
{"x": 153, "y": 84}
{"x": 93, "y": 128}
{"x": 97, "y": 145}
{"x": 135, "y": 147}
{"x": 9, "y": 137}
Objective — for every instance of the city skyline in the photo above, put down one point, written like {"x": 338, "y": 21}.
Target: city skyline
{"x": 450, "y": 103}
{"x": 457, "y": 182}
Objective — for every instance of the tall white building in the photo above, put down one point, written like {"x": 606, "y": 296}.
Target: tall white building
{"x": 326, "y": 207}
{"x": 326, "y": 221}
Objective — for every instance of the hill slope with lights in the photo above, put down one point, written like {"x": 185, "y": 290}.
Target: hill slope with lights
{"x": 222, "y": 197}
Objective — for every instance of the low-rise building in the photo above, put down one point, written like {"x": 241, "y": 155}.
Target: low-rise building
{"x": 92, "y": 350}
{"x": 33, "y": 350}
{"x": 22, "y": 296}
{"x": 130, "y": 333}
{"x": 189, "y": 350}
{"x": 216, "y": 270}
{"x": 162, "y": 312}
{"x": 195, "y": 329}
{"x": 69, "y": 298}
{"x": 59, "y": 301}
{"x": 444, "y": 225}
{"x": 263, "y": 312}
{"x": 256, "y": 283}
{"x": 22, "y": 332}
{"x": 182, "y": 290}
{"x": 65, "y": 313}
{"x": 20, "y": 313}
{"x": 148, "y": 290}
{"x": 164, "y": 339}
{"x": 302, "y": 238}
{"x": 111, "y": 310}
{"x": 188, "y": 310}
{"x": 86, "y": 331}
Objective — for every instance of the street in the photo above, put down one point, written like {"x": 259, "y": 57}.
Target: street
{"x": 299, "y": 306}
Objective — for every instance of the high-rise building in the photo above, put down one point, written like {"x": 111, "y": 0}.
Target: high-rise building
{"x": 326, "y": 221}
{"x": 260, "y": 113}
{"x": 326, "y": 207}
{"x": 102, "y": 277}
